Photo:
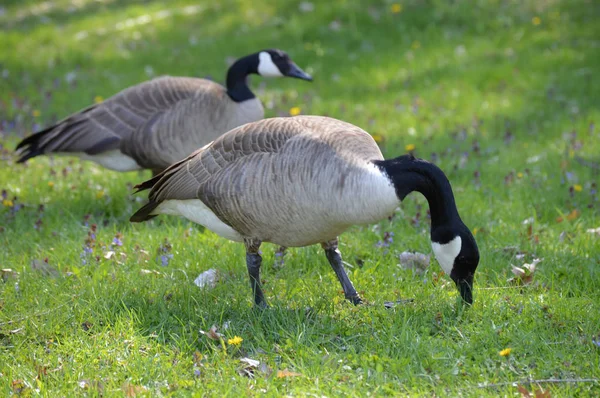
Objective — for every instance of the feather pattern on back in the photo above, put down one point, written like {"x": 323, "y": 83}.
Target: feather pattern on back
{"x": 290, "y": 181}
{"x": 155, "y": 122}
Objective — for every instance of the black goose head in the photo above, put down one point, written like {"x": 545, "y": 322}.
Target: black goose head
{"x": 276, "y": 63}
{"x": 269, "y": 63}
{"x": 456, "y": 251}
{"x": 453, "y": 243}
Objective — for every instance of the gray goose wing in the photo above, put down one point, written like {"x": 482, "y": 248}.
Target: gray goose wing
{"x": 259, "y": 174}
{"x": 104, "y": 126}
{"x": 207, "y": 173}
{"x": 172, "y": 134}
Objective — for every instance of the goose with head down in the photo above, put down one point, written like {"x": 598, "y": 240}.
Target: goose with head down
{"x": 305, "y": 180}
{"x": 156, "y": 123}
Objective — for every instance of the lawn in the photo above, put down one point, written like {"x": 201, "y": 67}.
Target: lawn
{"x": 501, "y": 94}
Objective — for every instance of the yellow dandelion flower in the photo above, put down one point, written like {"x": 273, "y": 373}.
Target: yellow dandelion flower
{"x": 416, "y": 44}
{"x": 520, "y": 175}
{"x": 410, "y": 147}
{"x": 98, "y": 99}
{"x": 236, "y": 340}
{"x": 99, "y": 194}
{"x": 536, "y": 21}
{"x": 36, "y": 113}
{"x": 295, "y": 111}
{"x": 577, "y": 188}
{"x": 50, "y": 184}
{"x": 475, "y": 230}
{"x": 505, "y": 352}
{"x": 7, "y": 203}
{"x": 396, "y": 8}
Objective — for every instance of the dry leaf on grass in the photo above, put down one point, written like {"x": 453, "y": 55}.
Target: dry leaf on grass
{"x": 212, "y": 333}
{"x": 536, "y": 393}
{"x": 8, "y": 273}
{"x": 18, "y": 386}
{"x": 207, "y": 279}
{"x": 417, "y": 261}
{"x": 249, "y": 366}
{"x": 286, "y": 373}
{"x": 571, "y": 216}
{"x": 524, "y": 274}
{"x": 131, "y": 390}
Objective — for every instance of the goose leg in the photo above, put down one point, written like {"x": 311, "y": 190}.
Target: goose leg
{"x": 253, "y": 261}
{"x": 335, "y": 259}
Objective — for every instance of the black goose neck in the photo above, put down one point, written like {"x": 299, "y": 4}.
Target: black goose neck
{"x": 237, "y": 78}
{"x": 409, "y": 174}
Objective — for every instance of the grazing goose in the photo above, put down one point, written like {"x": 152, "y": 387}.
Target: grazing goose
{"x": 304, "y": 180}
{"x": 161, "y": 121}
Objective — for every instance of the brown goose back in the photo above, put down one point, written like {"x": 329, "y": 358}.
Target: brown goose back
{"x": 290, "y": 181}
{"x": 156, "y": 122}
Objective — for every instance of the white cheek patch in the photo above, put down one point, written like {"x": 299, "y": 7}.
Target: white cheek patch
{"x": 266, "y": 66}
{"x": 446, "y": 253}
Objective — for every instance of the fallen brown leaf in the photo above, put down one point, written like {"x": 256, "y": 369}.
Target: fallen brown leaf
{"x": 536, "y": 394}
{"x": 18, "y": 386}
{"x": 212, "y": 333}
{"x": 574, "y": 214}
{"x": 524, "y": 274}
{"x": 524, "y": 391}
{"x": 286, "y": 373}
{"x": 132, "y": 390}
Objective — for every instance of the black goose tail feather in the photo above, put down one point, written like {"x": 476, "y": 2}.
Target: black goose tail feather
{"x": 148, "y": 184}
{"x": 29, "y": 147}
{"x": 143, "y": 214}
{"x": 166, "y": 173}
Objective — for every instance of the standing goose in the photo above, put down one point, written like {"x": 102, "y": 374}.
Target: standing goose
{"x": 161, "y": 121}
{"x": 305, "y": 180}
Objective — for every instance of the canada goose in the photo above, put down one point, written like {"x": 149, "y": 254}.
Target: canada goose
{"x": 161, "y": 121}
{"x": 304, "y": 180}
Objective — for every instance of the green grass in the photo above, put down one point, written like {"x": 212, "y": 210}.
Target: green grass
{"x": 503, "y": 101}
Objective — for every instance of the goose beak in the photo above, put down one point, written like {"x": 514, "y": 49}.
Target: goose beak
{"x": 298, "y": 73}
{"x": 465, "y": 287}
